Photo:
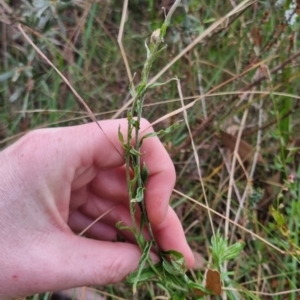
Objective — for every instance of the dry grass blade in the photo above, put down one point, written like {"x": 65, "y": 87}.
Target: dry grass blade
{"x": 195, "y": 153}
{"x": 6, "y": 7}
{"x": 232, "y": 173}
{"x": 94, "y": 222}
{"x": 120, "y": 35}
{"x": 173, "y": 113}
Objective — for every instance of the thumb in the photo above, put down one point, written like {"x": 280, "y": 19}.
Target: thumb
{"x": 66, "y": 261}
{"x": 93, "y": 262}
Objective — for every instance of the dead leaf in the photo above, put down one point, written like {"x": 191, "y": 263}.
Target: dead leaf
{"x": 245, "y": 150}
{"x": 213, "y": 282}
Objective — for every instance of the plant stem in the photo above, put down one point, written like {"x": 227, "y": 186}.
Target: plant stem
{"x": 133, "y": 158}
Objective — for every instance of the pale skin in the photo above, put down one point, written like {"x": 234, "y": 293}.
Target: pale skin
{"x": 53, "y": 184}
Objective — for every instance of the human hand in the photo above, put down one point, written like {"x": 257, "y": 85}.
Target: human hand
{"x": 56, "y": 181}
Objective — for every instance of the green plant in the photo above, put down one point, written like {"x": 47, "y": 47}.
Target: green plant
{"x": 171, "y": 271}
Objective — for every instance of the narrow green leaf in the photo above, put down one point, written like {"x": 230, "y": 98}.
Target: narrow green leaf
{"x": 161, "y": 132}
{"x": 140, "y": 194}
{"x": 123, "y": 227}
{"x": 142, "y": 263}
{"x": 17, "y": 74}
{"x": 147, "y": 49}
{"x": 174, "y": 262}
{"x": 176, "y": 280}
{"x": 134, "y": 152}
{"x": 197, "y": 286}
{"x": 131, "y": 89}
{"x": 141, "y": 89}
{"x": 120, "y": 135}
{"x": 6, "y": 75}
{"x": 156, "y": 84}
{"x": 233, "y": 251}
{"x": 132, "y": 183}
{"x": 16, "y": 94}
{"x": 144, "y": 174}
{"x": 147, "y": 274}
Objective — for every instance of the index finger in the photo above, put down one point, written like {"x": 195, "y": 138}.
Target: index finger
{"x": 161, "y": 179}
{"x": 165, "y": 224}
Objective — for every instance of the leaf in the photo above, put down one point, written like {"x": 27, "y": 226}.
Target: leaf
{"x": 176, "y": 280}
{"x": 148, "y": 50}
{"x": 174, "y": 262}
{"x": 170, "y": 128}
{"x": 133, "y": 181}
{"x": 139, "y": 194}
{"x": 141, "y": 89}
{"x": 280, "y": 221}
{"x": 142, "y": 263}
{"x": 132, "y": 90}
{"x": 213, "y": 282}
{"x": 218, "y": 247}
{"x": 6, "y": 75}
{"x": 245, "y": 150}
{"x": 123, "y": 227}
{"x": 134, "y": 152}
{"x": 160, "y": 133}
{"x": 144, "y": 174}
{"x": 120, "y": 135}
{"x": 233, "y": 250}
{"x": 151, "y": 134}
{"x": 153, "y": 85}
{"x": 221, "y": 251}
{"x": 17, "y": 74}
{"x": 16, "y": 94}
{"x": 198, "y": 289}
{"x": 28, "y": 71}
{"x": 146, "y": 274}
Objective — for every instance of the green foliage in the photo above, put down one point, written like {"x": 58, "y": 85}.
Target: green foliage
{"x": 221, "y": 252}
{"x": 169, "y": 275}
{"x": 171, "y": 271}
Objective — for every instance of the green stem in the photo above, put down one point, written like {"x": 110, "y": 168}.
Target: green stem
{"x": 133, "y": 160}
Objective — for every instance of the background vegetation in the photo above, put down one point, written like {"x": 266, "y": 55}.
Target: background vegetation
{"x": 243, "y": 76}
